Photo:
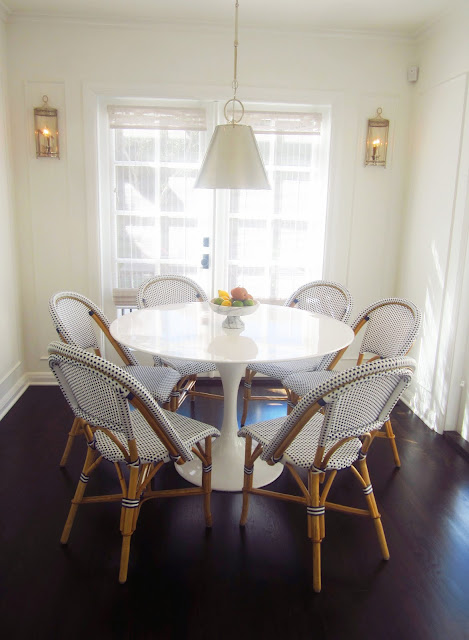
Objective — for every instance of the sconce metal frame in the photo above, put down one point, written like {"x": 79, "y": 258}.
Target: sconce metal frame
{"x": 46, "y": 130}
{"x": 377, "y": 140}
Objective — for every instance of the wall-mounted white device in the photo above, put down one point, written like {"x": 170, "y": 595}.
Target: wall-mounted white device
{"x": 413, "y": 73}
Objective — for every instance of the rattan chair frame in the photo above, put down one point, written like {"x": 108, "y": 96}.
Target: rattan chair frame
{"x": 87, "y": 340}
{"x": 363, "y": 321}
{"x": 173, "y": 289}
{"x": 320, "y": 402}
{"x": 135, "y": 477}
{"x": 294, "y": 301}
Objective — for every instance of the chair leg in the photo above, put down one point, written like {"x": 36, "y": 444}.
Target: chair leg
{"x": 247, "y": 485}
{"x": 91, "y": 455}
{"x": 392, "y": 441}
{"x": 129, "y": 520}
{"x": 248, "y": 377}
{"x": 174, "y": 400}
{"x": 315, "y": 527}
{"x": 207, "y": 481}
{"x": 373, "y": 508}
{"x": 292, "y": 400}
{"x": 76, "y": 429}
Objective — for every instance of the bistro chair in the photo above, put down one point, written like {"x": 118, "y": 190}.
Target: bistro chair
{"x": 138, "y": 441}
{"x": 390, "y": 328}
{"x": 320, "y": 296}
{"x": 329, "y": 430}
{"x": 174, "y": 289}
{"x": 75, "y": 319}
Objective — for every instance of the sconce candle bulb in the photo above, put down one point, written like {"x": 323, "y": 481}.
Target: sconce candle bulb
{"x": 46, "y": 130}
{"x": 377, "y": 140}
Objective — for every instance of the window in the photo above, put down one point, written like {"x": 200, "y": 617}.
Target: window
{"x": 268, "y": 241}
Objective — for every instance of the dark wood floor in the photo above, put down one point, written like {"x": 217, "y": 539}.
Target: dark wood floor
{"x": 186, "y": 582}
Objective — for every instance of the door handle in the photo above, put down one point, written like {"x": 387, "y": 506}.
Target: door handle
{"x": 205, "y": 262}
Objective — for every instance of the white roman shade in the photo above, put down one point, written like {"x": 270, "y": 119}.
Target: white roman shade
{"x": 293, "y": 123}
{"x": 165, "y": 119}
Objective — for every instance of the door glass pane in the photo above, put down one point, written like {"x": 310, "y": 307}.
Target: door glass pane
{"x": 271, "y": 242}
{"x": 158, "y": 219}
{"x": 276, "y": 240}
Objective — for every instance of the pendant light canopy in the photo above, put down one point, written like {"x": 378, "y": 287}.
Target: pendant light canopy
{"x": 233, "y": 160}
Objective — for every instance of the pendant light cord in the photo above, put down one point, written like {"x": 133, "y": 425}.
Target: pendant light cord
{"x": 235, "y": 73}
{"x": 234, "y": 100}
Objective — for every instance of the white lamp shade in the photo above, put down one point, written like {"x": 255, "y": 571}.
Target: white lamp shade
{"x": 232, "y": 160}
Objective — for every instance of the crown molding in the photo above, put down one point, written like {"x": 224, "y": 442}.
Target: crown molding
{"x": 152, "y": 23}
{"x": 428, "y": 29}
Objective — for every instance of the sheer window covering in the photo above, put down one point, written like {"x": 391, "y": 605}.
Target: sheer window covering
{"x": 156, "y": 155}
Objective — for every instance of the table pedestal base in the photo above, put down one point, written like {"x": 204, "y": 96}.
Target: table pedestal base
{"x": 228, "y": 449}
{"x": 228, "y": 468}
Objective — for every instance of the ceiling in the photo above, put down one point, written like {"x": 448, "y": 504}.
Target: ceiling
{"x": 400, "y": 17}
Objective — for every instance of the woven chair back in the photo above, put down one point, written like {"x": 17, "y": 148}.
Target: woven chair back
{"x": 391, "y": 327}
{"x": 322, "y": 296}
{"x": 169, "y": 289}
{"x": 355, "y": 401}
{"x": 99, "y": 392}
{"x": 72, "y": 315}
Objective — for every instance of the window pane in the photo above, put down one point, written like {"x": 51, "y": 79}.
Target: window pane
{"x": 135, "y": 188}
{"x": 130, "y": 275}
{"x": 175, "y": 188}
{"x": 134, "y": 145}
{"x": 180, "y": 146}
{"x": 137, "y": 237}
{"x": 245, "y": 239}
{"x": 293, "y": 151}
{"x": 177, "y": 239}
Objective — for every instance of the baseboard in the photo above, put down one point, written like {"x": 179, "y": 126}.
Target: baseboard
{"x": 9, "y": 398}
{"x": 41, "y": 378}
{"x": 458, "y": 443}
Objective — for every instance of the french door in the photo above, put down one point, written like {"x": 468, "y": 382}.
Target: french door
{"x": 155, "y": 222}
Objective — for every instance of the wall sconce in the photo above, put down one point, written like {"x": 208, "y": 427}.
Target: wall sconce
{"x": 377, "y": 140}
{"x": 46, "y": 130}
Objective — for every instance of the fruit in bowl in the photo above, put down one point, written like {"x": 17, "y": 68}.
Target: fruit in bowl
{"x": 234, "y": 304}
{"x": 239, "y": 297}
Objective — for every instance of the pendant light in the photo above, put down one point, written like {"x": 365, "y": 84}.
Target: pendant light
{"x": 232, "y": 160}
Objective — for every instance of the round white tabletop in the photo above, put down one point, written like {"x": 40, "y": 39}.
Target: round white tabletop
{"x": 193, "y": 331}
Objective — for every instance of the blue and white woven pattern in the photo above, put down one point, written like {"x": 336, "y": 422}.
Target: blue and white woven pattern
{"x": 169, "y": 289}
{"x": 70, "y": 313}
{"x": 392, "y": 328}
{"x": 356, "y": 401}
{"x": 390, "y": 331}
{"x": 321, "y": 296}
{"x": 173, "y": 289}
{"x": 302, "y": 451}
{"x": 98, "y": 392}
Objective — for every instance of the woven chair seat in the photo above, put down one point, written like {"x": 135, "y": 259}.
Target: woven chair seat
{"x": 159, "y": 381}
{"x": 301, "y": 383}
{"x": 189, "y": 367}
{"x": 150, "y": 447}
{"x": 303, "y": 449}
{"x": 281, "y": 369}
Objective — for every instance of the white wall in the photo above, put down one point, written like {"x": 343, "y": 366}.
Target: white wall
{"x": 434, "y": 240}
{"x": 56, "y": 199}
{"x": 11, "y": 358}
